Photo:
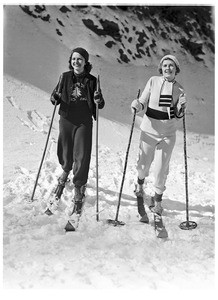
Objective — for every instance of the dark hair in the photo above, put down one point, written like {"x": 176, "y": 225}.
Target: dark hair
{"x": 87, "y": 66}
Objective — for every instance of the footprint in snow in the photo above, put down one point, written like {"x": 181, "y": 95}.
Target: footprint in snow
{"x": 12, "y": 101}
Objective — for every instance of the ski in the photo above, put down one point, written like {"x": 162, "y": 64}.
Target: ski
{"x": 75, "y": 213}
{"x": 160, "y": 229}
{"x": 54, "y": 198}
{"x": 74, "y": 218}
{"x": 51, "y": 208}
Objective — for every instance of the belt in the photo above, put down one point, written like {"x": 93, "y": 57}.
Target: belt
{"x": 156, "y": 114}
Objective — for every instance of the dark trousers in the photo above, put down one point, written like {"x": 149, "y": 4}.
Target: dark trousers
{"x": 74, "y": 149}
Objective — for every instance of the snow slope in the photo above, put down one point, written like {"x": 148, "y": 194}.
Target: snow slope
{"x": 38, "y": 254}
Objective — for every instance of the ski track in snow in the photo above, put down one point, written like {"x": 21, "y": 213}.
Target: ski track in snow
{"x": 34, "y": 120}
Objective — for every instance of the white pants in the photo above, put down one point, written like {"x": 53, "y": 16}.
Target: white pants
{"x": 160, "y": 148}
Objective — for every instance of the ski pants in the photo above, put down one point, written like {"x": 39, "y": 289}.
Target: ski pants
{"x": 159, "y": 148}
{"x": 74, "y": 149}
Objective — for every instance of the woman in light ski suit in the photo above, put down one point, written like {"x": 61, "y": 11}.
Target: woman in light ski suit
{"x": 163, "y": 101}
{"x": 77, "y": 97}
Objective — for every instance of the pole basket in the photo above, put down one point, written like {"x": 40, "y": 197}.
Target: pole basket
{"x": 188, "y": 225}
{"x": 115, "y": 222}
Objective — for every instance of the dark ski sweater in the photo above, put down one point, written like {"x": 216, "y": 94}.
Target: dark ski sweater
{"x": 77, "y": 96}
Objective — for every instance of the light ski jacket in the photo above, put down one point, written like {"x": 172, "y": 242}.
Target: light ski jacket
{"x": 160, "y": 99}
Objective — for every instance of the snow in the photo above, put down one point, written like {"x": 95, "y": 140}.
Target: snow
{"x": 38, "y": 254}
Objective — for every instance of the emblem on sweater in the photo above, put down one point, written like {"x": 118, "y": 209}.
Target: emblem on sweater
{"x": 78, "y": 92}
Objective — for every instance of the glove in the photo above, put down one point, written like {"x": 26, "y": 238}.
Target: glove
{"x": 181, "y": 106}
{"x": 136, "y": 106}
{"x": 97, "y": 97}
{"x": 56, "y": 97}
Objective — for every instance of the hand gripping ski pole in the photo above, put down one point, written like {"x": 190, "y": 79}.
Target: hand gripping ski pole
{"x": 46, "y": 144}
{"x": 97, "y": 117}
{"x": 116, "y": 222}
{"x": 187, "y": 225}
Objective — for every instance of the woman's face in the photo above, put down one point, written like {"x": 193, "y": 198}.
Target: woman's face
{"x": 168, "y": 69}
{"x": 78, "y": 63}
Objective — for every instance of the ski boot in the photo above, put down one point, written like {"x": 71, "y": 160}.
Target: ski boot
{"x": 54, "y": 202}
{"x": 75, "y": 211}
{"x": 79, "y": 194}
{"x": 155, "y": 204}
{"x": 77, "y": 203}
{"x": 139, "y": 192}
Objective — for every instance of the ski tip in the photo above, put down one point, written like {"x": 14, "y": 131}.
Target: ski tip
{"x": 144, "y": 219}
{"x": 115, "y": 222}
{"x": 162, "y": 234}
{"x": 69, "y": 227}
{"x": 48, "y": 212}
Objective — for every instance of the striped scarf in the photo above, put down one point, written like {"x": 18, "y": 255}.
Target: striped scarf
{"x": 166, "y": 97}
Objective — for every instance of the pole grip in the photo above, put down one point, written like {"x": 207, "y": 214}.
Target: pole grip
{"x": 98, "y": 84}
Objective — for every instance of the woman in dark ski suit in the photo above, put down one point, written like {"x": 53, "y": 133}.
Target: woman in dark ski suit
{"x": 77, "y": 96}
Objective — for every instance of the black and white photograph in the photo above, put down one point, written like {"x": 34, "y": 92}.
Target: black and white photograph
{"x": 109, "y": 148}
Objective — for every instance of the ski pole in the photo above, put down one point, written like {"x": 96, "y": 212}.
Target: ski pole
{"x": 46, "y": 144}
{"x": 116, "y": 222}
{"x": 97, "y": 117}
{"x": 187, "y": 225}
